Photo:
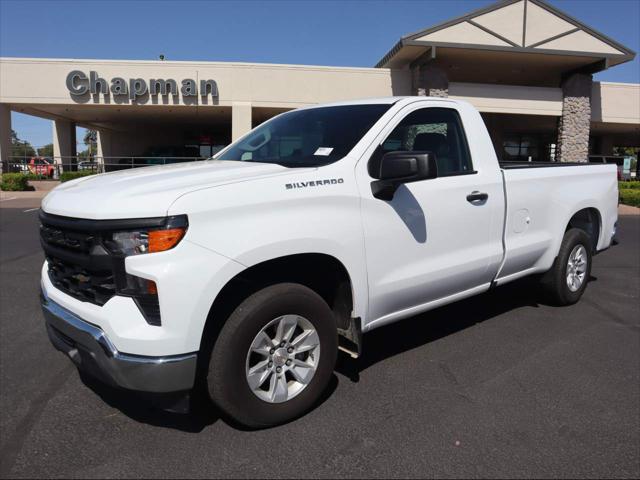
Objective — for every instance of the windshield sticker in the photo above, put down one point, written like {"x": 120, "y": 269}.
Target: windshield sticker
{"x": 324, "y": 151}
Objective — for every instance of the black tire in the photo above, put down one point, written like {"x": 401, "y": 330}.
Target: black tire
{"x": 226, "y": 380}
{"x": 554, "y": 282}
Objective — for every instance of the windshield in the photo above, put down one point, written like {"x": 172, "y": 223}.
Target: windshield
{"x": 307, "y": 138}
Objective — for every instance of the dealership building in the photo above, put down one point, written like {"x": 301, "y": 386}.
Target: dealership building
{"x": 524, "y": 64}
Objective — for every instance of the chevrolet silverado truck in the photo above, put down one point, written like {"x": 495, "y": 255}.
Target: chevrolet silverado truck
{"x": 246, "y": 273}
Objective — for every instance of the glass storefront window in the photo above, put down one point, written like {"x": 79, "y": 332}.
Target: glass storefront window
{"x": 528, "y": 148}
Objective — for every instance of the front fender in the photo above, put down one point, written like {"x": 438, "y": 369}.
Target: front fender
{"x": 353, "y": 265}
{"x": 260, "y": 220}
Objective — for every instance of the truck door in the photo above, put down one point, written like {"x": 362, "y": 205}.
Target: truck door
{"x": 437, "y": 237}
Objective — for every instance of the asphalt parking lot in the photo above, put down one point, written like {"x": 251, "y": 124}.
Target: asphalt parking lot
{"x": 496, "y": 386}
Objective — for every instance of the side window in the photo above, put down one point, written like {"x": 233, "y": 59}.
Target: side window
{"x": 436, "y": 130}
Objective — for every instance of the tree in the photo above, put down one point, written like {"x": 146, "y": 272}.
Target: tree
{"x": 625, "y": 151}
{"x": 20, "y": 148}
{"x": 46, "y": 150}
{"x": 91, "y": 141}
{"x": 90, "y": 138}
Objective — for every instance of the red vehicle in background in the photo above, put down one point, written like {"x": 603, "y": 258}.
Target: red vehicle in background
{"x": 41, "y": 166}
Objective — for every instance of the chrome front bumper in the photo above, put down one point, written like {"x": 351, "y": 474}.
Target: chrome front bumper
{"x": 92, "y": 352}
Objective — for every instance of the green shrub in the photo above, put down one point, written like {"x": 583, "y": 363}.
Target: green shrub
{"x": 35, "y": 176}
{"x": 630, "y": 196}
{"x": 66, "y": 176}
{"x": 15, "y": 182}
{"x": 629, "y": 185}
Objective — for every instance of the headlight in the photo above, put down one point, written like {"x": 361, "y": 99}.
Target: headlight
{"x": 129, "y": 243}
{"x": 151, "y": 240}
{"x": 138, "y": 241}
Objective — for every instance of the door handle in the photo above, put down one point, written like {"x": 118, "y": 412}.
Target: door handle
{"x": 476, "y": 196}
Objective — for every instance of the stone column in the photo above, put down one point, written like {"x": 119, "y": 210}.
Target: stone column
{"x": 240, "y": 119}
{"x": 5, "y": 137}
{"x": 575, "y": 123}
{"x": 429, "y": 80}
{"x": 64, "y": 143}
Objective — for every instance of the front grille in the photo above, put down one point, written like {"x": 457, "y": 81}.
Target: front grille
{"x": 78, "y": 263}
{"x": 67, "y": 239}
{"x": 84, "y": 264}
{"x": 95, "y": 287}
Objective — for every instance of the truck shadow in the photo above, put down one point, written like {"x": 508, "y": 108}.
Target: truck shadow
{"x": 419, "y": 330}
{"x": 156, "y": 411}
{"x": 380, "y": 344}
{"x": 153, "y": 410}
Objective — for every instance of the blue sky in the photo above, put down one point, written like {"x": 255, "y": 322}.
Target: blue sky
{"x": 340, "y": 33}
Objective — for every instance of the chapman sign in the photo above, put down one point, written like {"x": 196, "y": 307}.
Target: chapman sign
{"x": 80, "y": 84}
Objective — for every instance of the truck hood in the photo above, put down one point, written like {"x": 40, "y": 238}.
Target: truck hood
{"x": 149, "y": 191}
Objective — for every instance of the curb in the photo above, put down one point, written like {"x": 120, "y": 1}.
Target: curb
{"x": 628, "y": 210}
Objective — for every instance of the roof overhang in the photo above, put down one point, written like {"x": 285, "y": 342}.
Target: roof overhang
{"x": 512, "y": 30}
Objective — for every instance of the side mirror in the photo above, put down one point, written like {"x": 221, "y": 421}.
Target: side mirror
{"x": 397, "y": 168}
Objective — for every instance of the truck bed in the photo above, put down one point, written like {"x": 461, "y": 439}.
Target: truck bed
{"x": 516, "y": 165}
{"x": 540, "y": 202}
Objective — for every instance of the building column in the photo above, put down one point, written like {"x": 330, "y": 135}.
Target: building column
{"x": 496, "y": 132}
{"x": 429, "y": 80}
{"x": 104, "y": 147}
{"x": 5, "y": 137}
{"x": 64, "y": 142}
{"x": 575, "y": 123}
{"x": 240, "y": 119}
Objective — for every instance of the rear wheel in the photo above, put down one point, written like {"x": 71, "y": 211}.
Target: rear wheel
{"x": 274, "y": 356}
{"x": 567, "y": 279}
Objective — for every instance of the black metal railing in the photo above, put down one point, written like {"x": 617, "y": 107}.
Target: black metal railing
{"x": 50, "y": 168}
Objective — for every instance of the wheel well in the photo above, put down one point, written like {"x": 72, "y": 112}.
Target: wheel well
{"x": 322, "y": 273}
{"x": 587, "y": 219}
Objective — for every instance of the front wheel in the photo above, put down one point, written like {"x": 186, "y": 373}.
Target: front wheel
{"x": 567, "y": 279}
{"x": 274, "y": 356}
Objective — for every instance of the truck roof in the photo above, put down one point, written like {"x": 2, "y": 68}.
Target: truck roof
{"x": 380, "y": 100}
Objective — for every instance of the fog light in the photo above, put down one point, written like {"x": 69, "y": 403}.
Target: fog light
{"x": 150, "y": 308}
{"x": 145, "y": 293}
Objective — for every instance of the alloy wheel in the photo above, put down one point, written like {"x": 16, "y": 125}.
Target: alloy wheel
{"x": 283, "y": 358}
{"x": 577, "y": 267}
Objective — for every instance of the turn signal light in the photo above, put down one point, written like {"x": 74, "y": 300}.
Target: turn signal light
{"x": 152, "y": 288}
{"x": 161, "y": 240}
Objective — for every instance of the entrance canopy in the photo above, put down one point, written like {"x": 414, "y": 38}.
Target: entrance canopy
{"x": 517, "y": 42}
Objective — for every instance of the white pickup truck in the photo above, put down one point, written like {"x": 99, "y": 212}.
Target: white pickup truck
{"x": 246, "y": 273}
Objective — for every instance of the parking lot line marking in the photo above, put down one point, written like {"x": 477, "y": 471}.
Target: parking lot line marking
{"x": 7, "y": 199}
{"x": 31, "y": 210}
